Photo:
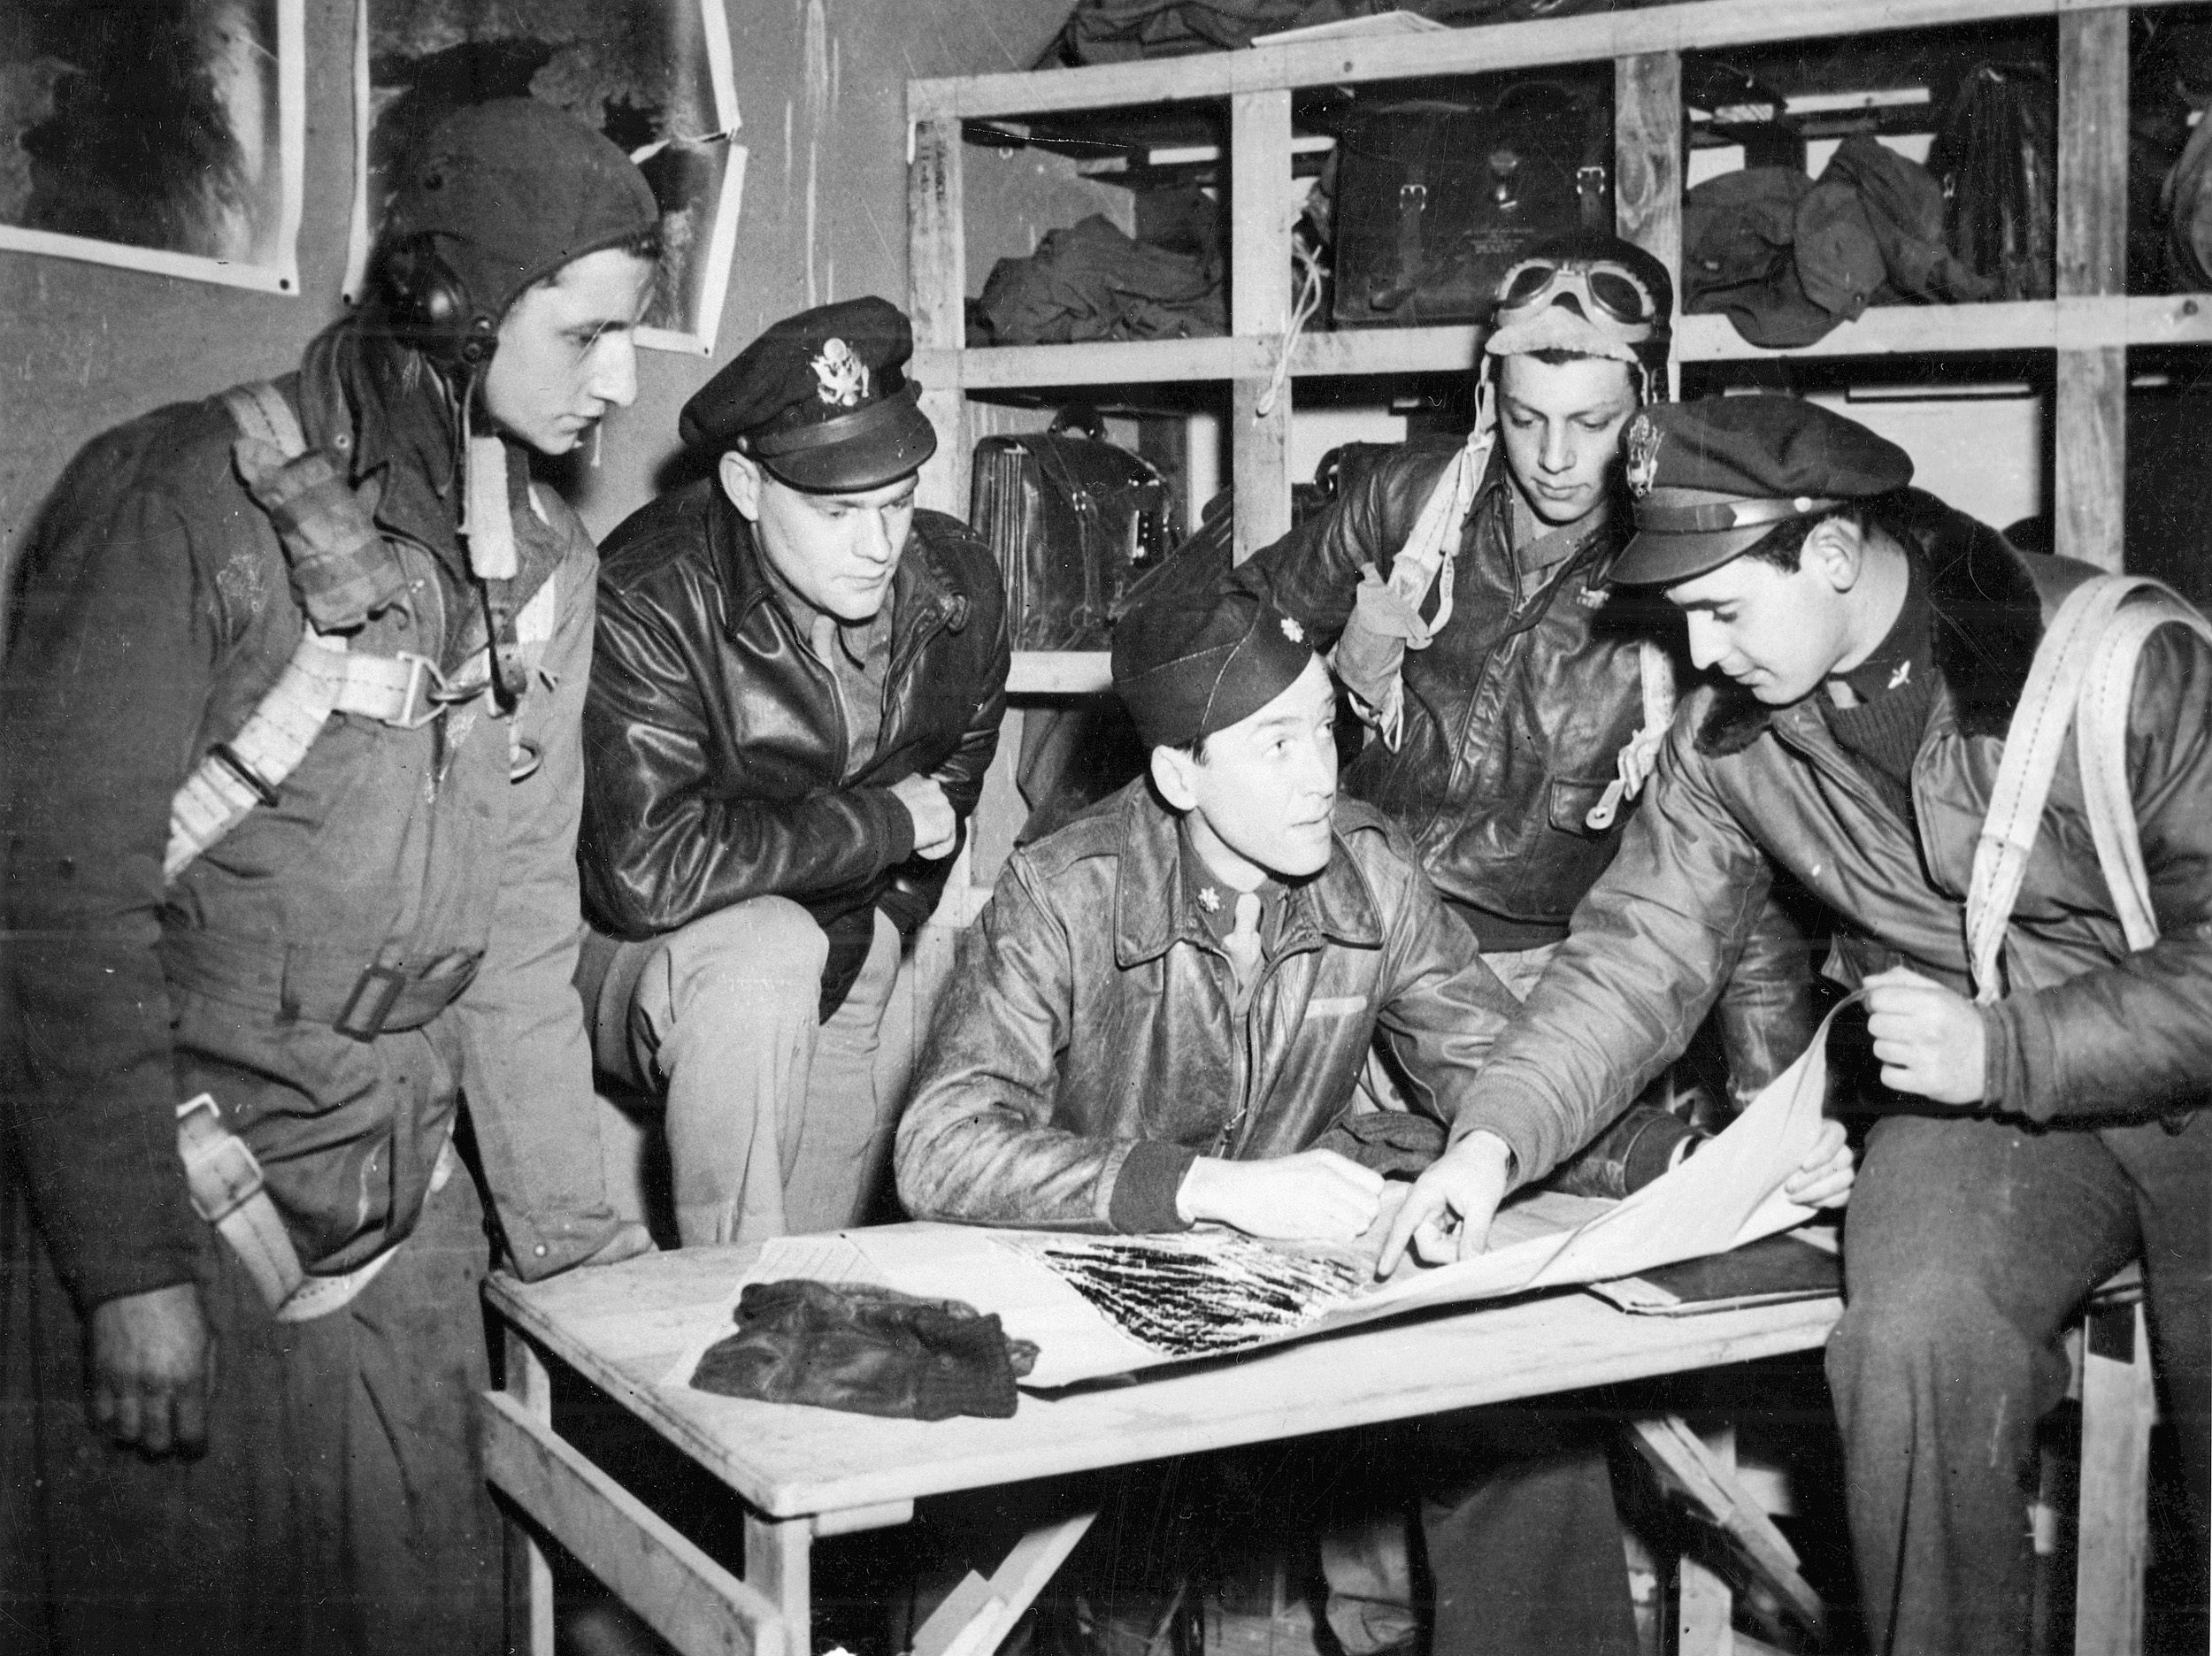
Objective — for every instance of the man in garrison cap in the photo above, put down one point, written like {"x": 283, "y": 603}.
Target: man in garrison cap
{"x": 1873, "y": 646}
{"x": 1162, "y": 1017}
{"x": 796, "y": 690}
{"x": 290, "y": 765}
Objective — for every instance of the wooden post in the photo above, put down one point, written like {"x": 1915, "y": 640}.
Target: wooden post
{"x": 1648, "y": 164}
{"x": 1259, "y": 309}
{"x": 2119, "y": 1405}
{"x": 1706, "y": 1608}
{"x": 937, "y": 286}
{"x": 778, "y": 1561}
{"x": 529, "y": 1577}
{"x": 2090, "y": 420}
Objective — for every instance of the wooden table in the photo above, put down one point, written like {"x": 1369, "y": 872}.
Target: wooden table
{"x": 803, "y": 1472}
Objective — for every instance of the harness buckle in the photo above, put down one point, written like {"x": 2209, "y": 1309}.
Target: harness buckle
{"x": 221, "y": 1171}
{"x": 425, "y": 695}
{"x": 374, "y": 994}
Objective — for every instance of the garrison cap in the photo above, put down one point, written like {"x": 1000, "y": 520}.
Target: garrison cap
{"x": 513, "y": 190}
{"x": 1711, "y": 478}
{"x": 821, "y": 400}
{"x": 1188, "y": 670}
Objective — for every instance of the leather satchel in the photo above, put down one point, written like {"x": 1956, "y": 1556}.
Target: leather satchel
{"x": 1435, "y": 199}
{"x": 1072, "y": 519}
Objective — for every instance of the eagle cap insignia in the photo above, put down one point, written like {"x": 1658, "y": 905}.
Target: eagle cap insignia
{"x": 843, "y": 376}
{"x": 1292, "y": 631}
{"x": 1643, "y": 455}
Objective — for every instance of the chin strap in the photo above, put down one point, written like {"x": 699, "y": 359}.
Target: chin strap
{"x": 1386, "y": 620}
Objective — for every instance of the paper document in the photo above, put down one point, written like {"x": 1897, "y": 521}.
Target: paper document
{"x": 1099, "y": 1305}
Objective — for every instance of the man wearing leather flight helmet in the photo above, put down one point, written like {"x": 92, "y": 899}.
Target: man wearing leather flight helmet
{"x": 291, "y": 765}
{"x": 1514, "y": 714}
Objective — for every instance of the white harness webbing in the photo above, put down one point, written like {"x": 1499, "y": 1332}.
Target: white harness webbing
{"x": 1640, "y": 755}
{"x": 1425, "y": 561}
{"x": 323, "y": 678}
{"x": 2083, "y": 680}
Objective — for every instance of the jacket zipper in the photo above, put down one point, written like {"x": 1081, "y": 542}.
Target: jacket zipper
{"x": 903, "y": 662}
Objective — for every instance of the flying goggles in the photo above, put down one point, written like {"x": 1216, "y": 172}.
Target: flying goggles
{"x": 1608, "y": 294}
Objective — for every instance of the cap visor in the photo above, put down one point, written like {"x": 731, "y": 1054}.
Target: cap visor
{"x": 1666, "y": 560}
{"x": 882, "y": 456}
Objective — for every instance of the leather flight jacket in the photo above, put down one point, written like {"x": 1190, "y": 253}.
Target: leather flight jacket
{"x": 716, "y": 749}
{"x": 2088, "y": 1034}
{"x": 1515, "y": 718}
{"x": 1514, "y": 715}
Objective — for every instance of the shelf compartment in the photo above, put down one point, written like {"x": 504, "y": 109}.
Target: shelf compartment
{"x": 1699, "y": 25}
{"x": 2086, "y": 322}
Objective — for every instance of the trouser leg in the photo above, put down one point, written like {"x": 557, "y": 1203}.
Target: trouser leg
{"x": 847, "y": 1129}
{"x": 340, "y": 1506}
{"x": 723, "y": 1020}
{"x": 1968, "y": 1245}
{"x": 1526, "y": 1554}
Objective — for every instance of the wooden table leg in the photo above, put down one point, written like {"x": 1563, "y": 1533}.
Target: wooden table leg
{"x": 2119, "y": 1405}
{"x": 779, "y": 1565}
{"x": 529, "y": 1577}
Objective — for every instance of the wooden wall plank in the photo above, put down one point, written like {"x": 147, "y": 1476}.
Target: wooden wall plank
{"x": 1648, "y": 141}
{"x": 2089, "y": 422}
{"x": 937, "y": 287}
{"x": 1648, "y": 156}
{"x": 1261, "y": 207}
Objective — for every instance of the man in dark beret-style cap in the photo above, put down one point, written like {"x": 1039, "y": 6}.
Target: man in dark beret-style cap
{"x": 1163, "y": 1014}
{"x": 795, "y": 692}
{"x": 1874, "y": 648}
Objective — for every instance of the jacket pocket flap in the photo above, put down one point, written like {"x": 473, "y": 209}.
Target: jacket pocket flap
{"x": 1571, "y": 803}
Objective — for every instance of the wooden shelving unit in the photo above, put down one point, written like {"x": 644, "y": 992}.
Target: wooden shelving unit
{"x": 2088, "y": 328}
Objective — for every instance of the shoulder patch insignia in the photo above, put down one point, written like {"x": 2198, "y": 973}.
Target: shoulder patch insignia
{"x": 1643, "y": 455}
{"x": 843, "y": 376}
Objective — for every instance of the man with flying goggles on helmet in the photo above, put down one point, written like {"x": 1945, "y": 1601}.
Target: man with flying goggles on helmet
{"x": 1514, "y": 711}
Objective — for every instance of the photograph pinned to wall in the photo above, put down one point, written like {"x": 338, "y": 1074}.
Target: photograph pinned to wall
{"x": 162, "y": 135}
{"x": 654, "y": 75}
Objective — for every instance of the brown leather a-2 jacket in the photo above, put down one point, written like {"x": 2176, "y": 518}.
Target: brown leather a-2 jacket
{"x": 715, "y": 748}
{"x": 1090, "y": 1047}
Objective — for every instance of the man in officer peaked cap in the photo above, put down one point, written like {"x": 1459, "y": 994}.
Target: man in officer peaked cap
{"x": 291, "y": 766}
{"x": 1872, "y": 648}
{"x": 797, "y": 688}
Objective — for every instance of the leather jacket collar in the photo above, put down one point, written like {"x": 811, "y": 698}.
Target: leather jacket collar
{"x": 1151, "y": 914}
{"x": 921, "y": 587}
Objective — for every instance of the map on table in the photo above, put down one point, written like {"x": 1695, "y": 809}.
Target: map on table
{"x": 1099, "y": 1306}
